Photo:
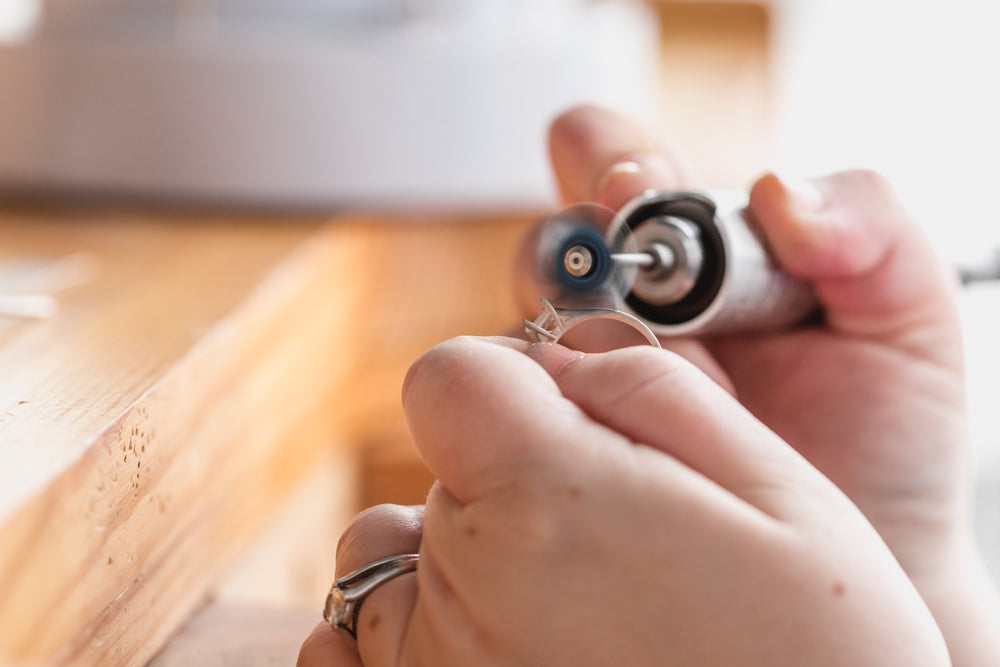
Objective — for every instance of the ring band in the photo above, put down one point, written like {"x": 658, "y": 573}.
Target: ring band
{"x": 553, "y": 322}
{"x": 343, "y": 604}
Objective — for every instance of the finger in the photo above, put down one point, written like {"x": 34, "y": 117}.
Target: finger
{"x": 605, "y": 336}
{"x": 874, "y": 271}
{"x": 379, "y": 532}
{"x": 603, "y": 157}
{"x": 482, "y": 413}
{"x": 325, "y": 648}
{"x": 658, "y": 399}
{"x": 376, "y": 533}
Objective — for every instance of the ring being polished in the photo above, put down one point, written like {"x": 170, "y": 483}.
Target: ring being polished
{"x": 553, "y": 323}
{"x": 343, "y": 604}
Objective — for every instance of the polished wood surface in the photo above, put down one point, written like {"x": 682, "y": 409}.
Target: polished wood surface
{"x": 152, "y": 426}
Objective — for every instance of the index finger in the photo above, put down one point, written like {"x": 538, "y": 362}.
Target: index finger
{"x": 600, "y": 156}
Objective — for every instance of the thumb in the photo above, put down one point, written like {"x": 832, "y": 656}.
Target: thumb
{"x": 656, "y": 398}
{"x": 873, "y": 269}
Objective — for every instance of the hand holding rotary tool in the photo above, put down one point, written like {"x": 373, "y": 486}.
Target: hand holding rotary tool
{"x": 669, "y": 263}
{"x": 672, "y": 518}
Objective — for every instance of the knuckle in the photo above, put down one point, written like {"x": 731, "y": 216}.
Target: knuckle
{"x": 527, "y": 517}
{"x": 372, "y": 522}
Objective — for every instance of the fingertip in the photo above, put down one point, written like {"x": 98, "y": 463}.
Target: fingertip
{"x": 772, "y": 206}
{"x": 633, "y": 175}
{"x": 423, "y": 368}
{"x": 572, "y": 139}
{"x": 579, "y": 127}
{"x": 455, "y": 350}
{"x": 410, "y": 379}
{"x": 469, "y": 403}
{"x": 873, "y": 269}
{"x": 803, "y": 194}
{"x": 812, "y": 234}
{"x": 604, "y": 156}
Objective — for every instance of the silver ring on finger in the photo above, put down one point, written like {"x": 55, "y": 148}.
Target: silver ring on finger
{"x": 343, "y": 603}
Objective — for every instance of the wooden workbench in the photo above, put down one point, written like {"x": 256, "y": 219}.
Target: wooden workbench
{"x": 196, "y": 369}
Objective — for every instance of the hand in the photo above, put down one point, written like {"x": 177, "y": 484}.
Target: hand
{"x": 617, "y": 508}
{"x": 875, "y": 398}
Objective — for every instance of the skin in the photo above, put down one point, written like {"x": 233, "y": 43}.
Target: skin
{"x": 713, "y": 504}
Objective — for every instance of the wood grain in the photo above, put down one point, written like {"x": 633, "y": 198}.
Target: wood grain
{"x": 152, "y": 427}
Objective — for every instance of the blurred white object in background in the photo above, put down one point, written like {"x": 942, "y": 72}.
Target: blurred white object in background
{"x": 18, "y": 18}
{"x": 439, "y": 103}
{"x": 907, "y": 88}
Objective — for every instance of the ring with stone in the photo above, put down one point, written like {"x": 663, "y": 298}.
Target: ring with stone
{"x": 343, "y": 604}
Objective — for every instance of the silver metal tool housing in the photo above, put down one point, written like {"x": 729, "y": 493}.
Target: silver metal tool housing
{"x": 722, "y": 278}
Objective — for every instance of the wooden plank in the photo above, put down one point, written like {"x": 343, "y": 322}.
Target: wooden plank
{"x": 140, "y": 411}
{"x": 291, "y": 562}
{"x": 223, "y": 635}
{"x": 158, "y": 287}
{"x": 153, "y": 425}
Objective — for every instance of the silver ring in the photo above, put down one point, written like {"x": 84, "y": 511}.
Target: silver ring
{"x": 343, "y": 604}
{"x": 553, "y": 323}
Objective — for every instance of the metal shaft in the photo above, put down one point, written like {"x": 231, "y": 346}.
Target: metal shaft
{"x": 640, "y": 259}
